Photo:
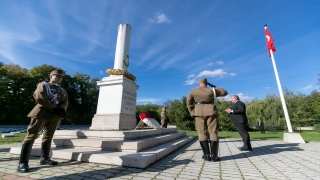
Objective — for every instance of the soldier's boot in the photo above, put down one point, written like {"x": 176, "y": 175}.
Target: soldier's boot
{"x": 206, "y": 151}
{"x": 24, "y": 157}
{"x": 45, "y": 151}
{"x": 214, "y": 146}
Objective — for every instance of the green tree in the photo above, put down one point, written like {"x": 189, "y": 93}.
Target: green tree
{"x": 224, "y": 120}
{"x": 15, "y": 89}
{"x": 180, "y": 116}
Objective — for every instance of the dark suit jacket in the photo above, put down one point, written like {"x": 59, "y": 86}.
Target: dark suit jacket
{"x": 238, "y": 114}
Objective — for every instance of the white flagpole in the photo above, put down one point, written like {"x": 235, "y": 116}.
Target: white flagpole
{"x": 281, "y": 94}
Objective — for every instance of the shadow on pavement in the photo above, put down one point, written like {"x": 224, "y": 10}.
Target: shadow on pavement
{"x": 263, "y": 150}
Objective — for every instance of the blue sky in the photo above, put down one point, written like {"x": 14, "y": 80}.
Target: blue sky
{"x": 173, "y": 42}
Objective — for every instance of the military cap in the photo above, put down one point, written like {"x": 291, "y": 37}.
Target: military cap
{"x": 57, "y": 72}
{"x": 203, "y": 80}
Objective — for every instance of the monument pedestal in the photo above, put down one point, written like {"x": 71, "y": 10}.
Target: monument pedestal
{"x": 132, "y": 148}
{"x": 116, "y": 108}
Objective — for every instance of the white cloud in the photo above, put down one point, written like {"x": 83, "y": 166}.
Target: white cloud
{"x": 148, "y": 100}
{"x": 219, "y": 62}
{"x": 210, "y": 63}
{"x": 190, "y": 81}
{"x": 242, "y": 97}
{"x": 307, "y": 87}
{"x": 160, "y": 18}
{"x": 214, "y": 73}
{"x": 101, "y": 72}
{"x": 206, "y": 73}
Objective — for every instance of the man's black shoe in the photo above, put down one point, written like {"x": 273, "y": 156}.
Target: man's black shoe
{"x": 245, "y": 149}
{"x": 48, "y": 161}
{"x": 23, "y": 167}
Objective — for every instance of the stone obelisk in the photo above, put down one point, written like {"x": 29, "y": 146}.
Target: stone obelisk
{"x": 117, "y": 95}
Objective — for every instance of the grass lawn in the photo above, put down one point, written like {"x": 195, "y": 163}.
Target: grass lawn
{"x": 17, "y": 138}
{"x": 308, "y": 136}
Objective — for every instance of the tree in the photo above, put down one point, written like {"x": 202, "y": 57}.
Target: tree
{"x": 224, "y": 120}
{"x": 180, "y": 116}
{"x": 15, "y": 89}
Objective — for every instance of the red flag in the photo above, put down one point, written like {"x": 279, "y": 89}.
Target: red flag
{"x": 270, "y": 41}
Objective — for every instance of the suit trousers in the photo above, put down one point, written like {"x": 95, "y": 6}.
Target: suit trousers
{"x": 35, "y": 126}
{"x": 242, "y": 129}
{"x": 207, "y": 128}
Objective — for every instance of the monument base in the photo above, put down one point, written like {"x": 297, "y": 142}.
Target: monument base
{"x": 134, "y": 148}
{"x": 113, "y": 121}
{"x": 293, "y": 138}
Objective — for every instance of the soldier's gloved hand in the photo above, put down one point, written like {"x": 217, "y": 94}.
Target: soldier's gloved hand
{"x": 60, "y": 112}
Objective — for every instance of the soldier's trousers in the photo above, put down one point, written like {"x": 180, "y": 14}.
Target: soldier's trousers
{"x": 164, "y": 124}
{"x": 207, "y": 127}
{"x": 35, "y": 126}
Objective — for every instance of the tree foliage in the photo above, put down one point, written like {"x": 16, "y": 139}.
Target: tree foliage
{"x": 18, "y": 84}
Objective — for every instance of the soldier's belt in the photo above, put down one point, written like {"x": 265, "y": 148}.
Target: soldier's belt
{"x": 203, "y": 102}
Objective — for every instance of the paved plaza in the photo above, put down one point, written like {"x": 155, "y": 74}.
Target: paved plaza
{"x": 268, "y": 160}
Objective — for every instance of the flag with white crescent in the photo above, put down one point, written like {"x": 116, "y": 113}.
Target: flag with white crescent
{"x": 270, "y": 45}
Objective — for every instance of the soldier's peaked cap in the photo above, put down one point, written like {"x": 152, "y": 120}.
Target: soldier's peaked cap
{"x": 57, "y": 72}
{"x": 203, "y": 80}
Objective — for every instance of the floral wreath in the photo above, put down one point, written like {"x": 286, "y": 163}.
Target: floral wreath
{"x": 121, "y": 72}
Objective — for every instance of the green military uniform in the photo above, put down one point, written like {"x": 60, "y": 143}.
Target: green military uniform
{"x": 200, "y": 103}
{"x": 41, "y": 115}
{"x": 52, "y": 103}
{"x": 164, "y": 119}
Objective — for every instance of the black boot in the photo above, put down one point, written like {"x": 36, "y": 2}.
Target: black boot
{"x": 24, "y": 157}
{"x": 205, "y": 148}
{"x": 45, "y": 150}
{"x": 214, "y": 146}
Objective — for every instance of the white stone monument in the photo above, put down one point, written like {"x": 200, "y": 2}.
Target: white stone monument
{"x": 117, "y": 96}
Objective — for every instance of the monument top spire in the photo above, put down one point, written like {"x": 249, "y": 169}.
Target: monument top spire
{"x": 121, "y": 60}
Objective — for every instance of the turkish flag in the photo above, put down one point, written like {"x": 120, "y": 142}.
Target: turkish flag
{"x": 270, "y": 41}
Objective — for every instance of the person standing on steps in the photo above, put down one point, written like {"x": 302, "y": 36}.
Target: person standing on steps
{"x": 164, "y": 117}
{"x": 52, "y": 103}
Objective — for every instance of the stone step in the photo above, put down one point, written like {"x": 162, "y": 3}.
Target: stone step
{"x": 135, "y": 145}
{"x": 7, "y": 135}
{"x": 140, "y": 159}
{"x": 132, "y": 134}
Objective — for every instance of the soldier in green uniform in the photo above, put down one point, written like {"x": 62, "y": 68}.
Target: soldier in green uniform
{"x": 200, "y": 103}
{"x": 52, "y": 102}
{"x": 164, "y": 118}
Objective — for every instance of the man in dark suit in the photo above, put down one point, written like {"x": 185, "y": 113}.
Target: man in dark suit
{"x": 238, "y": 116}
{"x": 261, "y": 126}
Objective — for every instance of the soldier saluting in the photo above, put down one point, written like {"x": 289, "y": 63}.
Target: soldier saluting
{"x": 52, "y": 103}
{"x": 201, "y": 105}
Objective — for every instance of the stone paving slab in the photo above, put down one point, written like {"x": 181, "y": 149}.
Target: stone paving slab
{"x": 268, "y": 160}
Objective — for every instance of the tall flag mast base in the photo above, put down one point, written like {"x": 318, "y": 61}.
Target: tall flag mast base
{"x": 293, "y": 138}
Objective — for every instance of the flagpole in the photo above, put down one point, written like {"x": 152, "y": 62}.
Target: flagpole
{"x": 281, "y": 94}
